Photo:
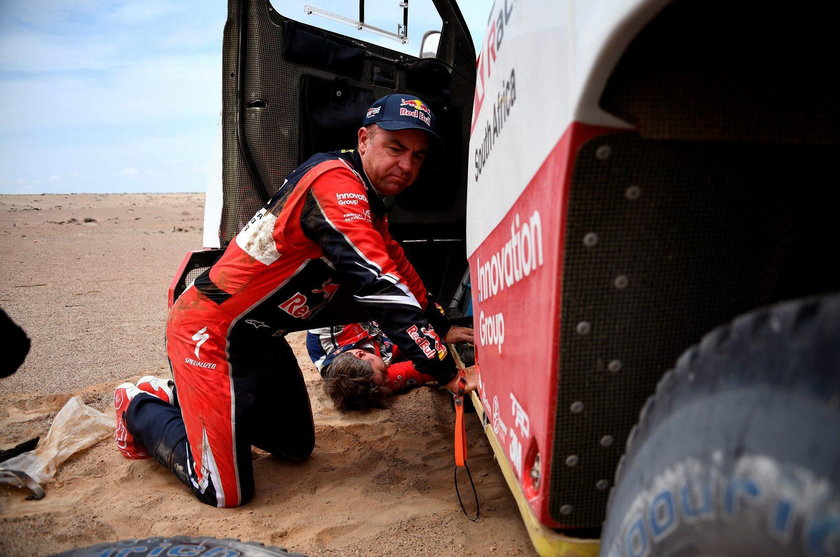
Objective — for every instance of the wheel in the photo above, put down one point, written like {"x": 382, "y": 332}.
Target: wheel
{"x": 179, "y": 545}
{"x": 738, "y": 451}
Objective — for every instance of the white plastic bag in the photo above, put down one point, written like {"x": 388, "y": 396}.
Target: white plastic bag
{"x": 77, "y": 426}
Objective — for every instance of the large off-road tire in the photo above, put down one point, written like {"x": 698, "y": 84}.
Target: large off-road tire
{"x": 738, "y": 452}
{"x": 179, "y": 545}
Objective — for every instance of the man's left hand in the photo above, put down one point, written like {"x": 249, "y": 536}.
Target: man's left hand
{"x": 472, "y": 381}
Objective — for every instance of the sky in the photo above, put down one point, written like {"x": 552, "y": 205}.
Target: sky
{"x": 113, "y": 96}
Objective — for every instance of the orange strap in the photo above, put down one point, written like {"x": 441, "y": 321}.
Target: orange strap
{"x": 461, "y": 439}
{"x": 460, "y": 426}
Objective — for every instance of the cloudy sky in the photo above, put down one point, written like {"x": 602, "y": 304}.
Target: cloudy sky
{"x": 116, "y": 96}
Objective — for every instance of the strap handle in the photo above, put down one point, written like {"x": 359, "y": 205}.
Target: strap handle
{"x": 461, "y": 436}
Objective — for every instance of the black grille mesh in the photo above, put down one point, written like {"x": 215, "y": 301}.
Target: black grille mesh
{"x": 664, "y": 241}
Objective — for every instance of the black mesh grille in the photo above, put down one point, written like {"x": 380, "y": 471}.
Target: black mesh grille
{"x": 664, "y": 241}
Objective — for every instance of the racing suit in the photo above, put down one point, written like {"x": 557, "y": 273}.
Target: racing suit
{"x": 238, "y": 383}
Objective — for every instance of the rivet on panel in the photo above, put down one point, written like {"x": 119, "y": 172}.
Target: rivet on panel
{"x": 614, "y": 366}
{"x": 602, "y": 485}
{"x": 566, "y": 509}
{"x": 576, "y": 407}
{"x": 572, "y": 460}
{"x": 607, "y": 440}
{"x": 583, "y": 328}
{"x": 633, "y": 193}
{"x": 590, "y": 240}
{"x": 603, "y": 152}
{"x": 621, "y": 282}
{"x": 536, "y": 472}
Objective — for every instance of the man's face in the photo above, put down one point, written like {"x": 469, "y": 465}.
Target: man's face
{"x": 378, "y": 365}
{"x": 392, "y": 159}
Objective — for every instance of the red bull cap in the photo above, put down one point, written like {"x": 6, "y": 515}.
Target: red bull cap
{"x": 401, "y": 112}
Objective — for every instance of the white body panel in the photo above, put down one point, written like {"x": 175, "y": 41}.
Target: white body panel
{"x": 544, "y": 73}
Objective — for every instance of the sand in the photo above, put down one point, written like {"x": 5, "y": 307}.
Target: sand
{"x": 87, "y": 276}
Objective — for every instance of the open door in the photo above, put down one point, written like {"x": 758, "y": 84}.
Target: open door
{"x": 295, "y": 83}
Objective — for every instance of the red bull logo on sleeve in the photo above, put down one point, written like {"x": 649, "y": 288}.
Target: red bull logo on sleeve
{"x": 418, "y": 110}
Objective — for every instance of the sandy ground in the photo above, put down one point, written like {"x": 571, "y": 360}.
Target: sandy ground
{"x": 86, "y": 276}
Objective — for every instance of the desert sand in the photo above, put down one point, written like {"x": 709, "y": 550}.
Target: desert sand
{"x": 87, "y": 276}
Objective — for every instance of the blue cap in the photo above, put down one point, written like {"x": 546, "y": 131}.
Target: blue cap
{"x": 401, "y": 112}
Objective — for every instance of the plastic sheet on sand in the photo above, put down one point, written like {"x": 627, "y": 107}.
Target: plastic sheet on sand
{"x": 76, "y": 427}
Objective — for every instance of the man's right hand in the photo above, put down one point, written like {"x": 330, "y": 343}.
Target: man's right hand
{"x": 457, "y": 334}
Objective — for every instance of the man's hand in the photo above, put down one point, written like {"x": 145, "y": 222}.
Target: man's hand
{"x": 472, "y": 381}
{"x": 459, "y": 334}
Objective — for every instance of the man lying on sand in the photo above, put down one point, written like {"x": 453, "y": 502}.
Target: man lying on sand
{"x": 360, "y": 365}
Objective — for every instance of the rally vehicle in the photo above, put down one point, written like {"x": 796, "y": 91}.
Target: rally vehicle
{"x": 640, "y": 198}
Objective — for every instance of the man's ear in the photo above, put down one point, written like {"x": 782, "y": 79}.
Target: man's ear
{"x": 364, "y": 137}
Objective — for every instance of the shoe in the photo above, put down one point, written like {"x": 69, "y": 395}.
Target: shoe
{"x": 123, "y": 395}
{"x": 162, "y": 388}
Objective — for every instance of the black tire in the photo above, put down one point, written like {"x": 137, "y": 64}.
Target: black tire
{"x": 738, "y": 451}
{"x": 179, "y": 545}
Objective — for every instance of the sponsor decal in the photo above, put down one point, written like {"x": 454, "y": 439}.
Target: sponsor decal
{"x": 328, "y": 289}
{"x": 521, "y": 421}
{"x": 521, "y": 254}
{"x": 416, "y": 114}
{"x": 256, "y": 324}
{"x": 499, "y": 427}
{"x": 793, "y": 506}
{"x": 257, "y": 239}
{"x": 517, "y": 259}
{"x": 492, "y": 329}
{"x": 350, "y": 198}
{"x": 505, "y": 99}
{"x": 428, "y": 341}
{"x": 196, "y": 363}
{"x": 521, "y": 428}
{"x": 493, "y": 40}
{"x": 200, "y": 338}
{"x": 301, "y": 307}
{"x": 415, "y": 104}
{"x": 372, "y": 111}
{"x": 296, "y": 306}
{"x": 365, "y": 216}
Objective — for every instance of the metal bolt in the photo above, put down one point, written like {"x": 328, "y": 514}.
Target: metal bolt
{"x": 535, "y": 472}
{"x": 633, "y": 193}
{"x": 590, "y": 240}
{"x": 603, "y": 152}
{"x": 583, "y": 328}
{"x": 621, "y": 282}
{"x": 602, "y": 485}
{"x": 607, "y": 440}
{"x": 576, "y": 407}
{"x": 566, "y": 509}
{"x": 614, "y": 366}
{"x": 338, "y": 93}
{"x": 572, "y": 460}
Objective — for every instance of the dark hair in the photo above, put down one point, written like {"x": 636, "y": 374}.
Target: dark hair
{"x": 349, "y": 383}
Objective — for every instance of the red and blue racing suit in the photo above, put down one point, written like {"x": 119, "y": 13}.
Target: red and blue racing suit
{"x": 325, "y": 343}
{"x": 238, "y": 383}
